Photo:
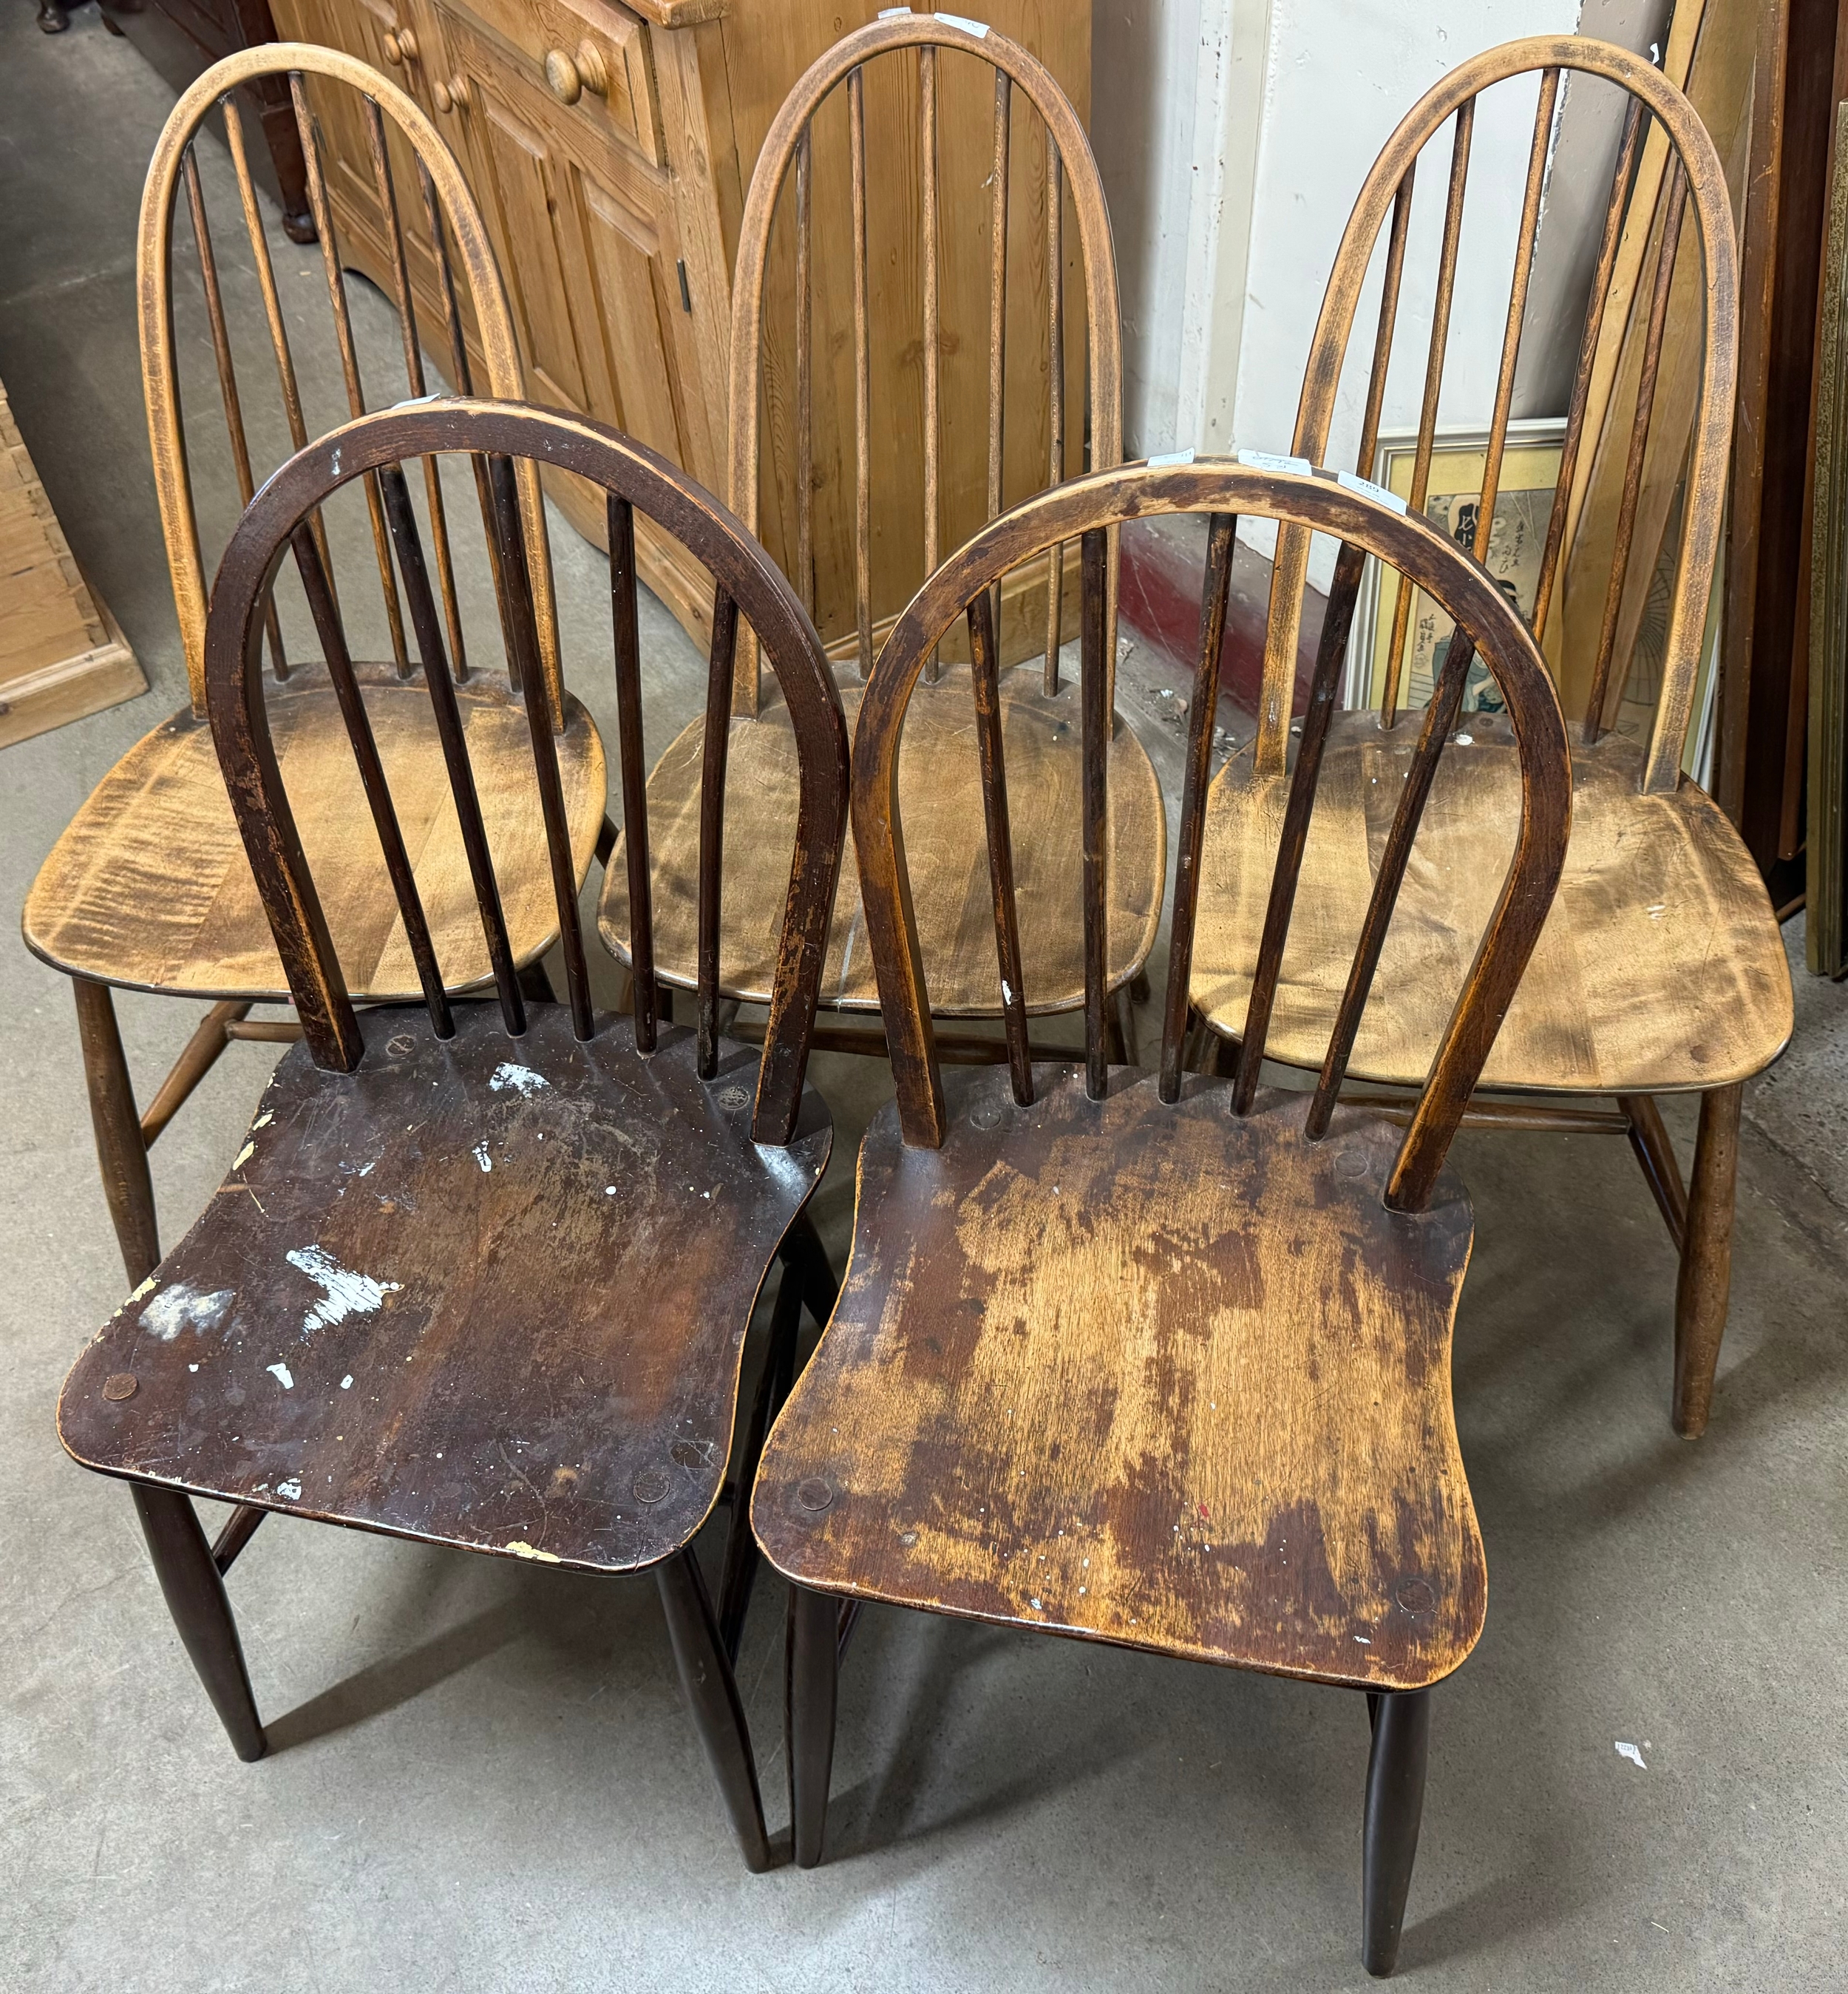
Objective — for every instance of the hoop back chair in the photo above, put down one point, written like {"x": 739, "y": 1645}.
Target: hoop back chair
{"x": 942, "y": 778}
{"x": 1660, "y": 969}
{"x": 147, "y": 888}
{"x": 485, "y": 1228}
{"x": 1159, "y": 1359}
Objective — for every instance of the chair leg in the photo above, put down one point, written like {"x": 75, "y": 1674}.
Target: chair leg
{"x": 813, "y": 1685}
{"x": 712, "y": 1696}
{"x": 195, "y": 1595}
{"x": 1395, "y": 1803}
{"x": 121, "y": 1152}
{"x": 1701, "y": 1293}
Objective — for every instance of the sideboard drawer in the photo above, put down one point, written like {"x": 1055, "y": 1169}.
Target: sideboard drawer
{"x": 591, "y": 56}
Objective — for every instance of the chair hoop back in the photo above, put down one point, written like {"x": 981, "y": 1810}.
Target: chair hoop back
{"x": 788, "y": 140}
{"x": 1696, "y": 176}
{"x": 445, "y": 200}
{"x": 747, "y": 581}
{"x": 1365, "y": 523}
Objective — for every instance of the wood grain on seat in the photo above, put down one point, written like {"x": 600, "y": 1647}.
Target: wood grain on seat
{"x": 484, "y": 1291}
{"x": 1157, "y": 1375}
{"x": 149, "y": 887}
{"x": 1660, "y": 967}
{"x": 941, "y": 796}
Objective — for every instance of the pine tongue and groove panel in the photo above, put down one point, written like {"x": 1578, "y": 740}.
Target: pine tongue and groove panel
{"x": 1176, "y": 1380}
{"x": 61, "y": 656}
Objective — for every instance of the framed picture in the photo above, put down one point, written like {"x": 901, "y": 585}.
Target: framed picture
{"x": 1530, "y": 467}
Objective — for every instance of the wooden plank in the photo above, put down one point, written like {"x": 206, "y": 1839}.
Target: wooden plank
{"x": 61, "y": 655}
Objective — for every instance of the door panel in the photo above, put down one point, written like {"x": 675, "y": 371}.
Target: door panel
{"x": 632, "y": 275}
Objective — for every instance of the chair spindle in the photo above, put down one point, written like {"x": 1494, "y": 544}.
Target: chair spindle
{"x": 805, "y": 373}
{"x": 1434, "y": 379}
{"x": 933, "y": 358}
{"x": 1094, "y": 685}
{"x": 349, "y": 354}
{"x": 544, "y": 725}
{"x": 227, "y": 377}
{"x": 863, "y": 380}
{"x": 1221, "y": 543}
{"x": 1389, "y": 312}
{"x": 985, "y": 676}
{"x": 1440, "y": 717}
{"x": 712, "y": 821}
{"x": 397, "y": 500}
{"x": 1299, "y": 804}
{"x": 998, "y": 296}
{"x": 413, "y": 373}
{"x": 398, "y": 867}
{"x": 626, "y": 645}
{"x": 1055, "y": 393}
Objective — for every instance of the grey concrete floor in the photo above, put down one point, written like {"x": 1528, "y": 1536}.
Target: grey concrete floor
{"x": 482, "y": 1776}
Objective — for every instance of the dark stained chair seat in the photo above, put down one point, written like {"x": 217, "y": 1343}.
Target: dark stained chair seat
{"x": 489, "y": 1292}
{"x": 1175, "y": 1379}
{"x": 148, "y": 886}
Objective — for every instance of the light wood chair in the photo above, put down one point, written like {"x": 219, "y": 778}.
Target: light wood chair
{"x": 1660, "y": 969}
{"x": 481, "y": 1275}
{"x": 1161, "y": 1360}
{"x": 1038, "y": 721}
{"x": 147, "y": 888}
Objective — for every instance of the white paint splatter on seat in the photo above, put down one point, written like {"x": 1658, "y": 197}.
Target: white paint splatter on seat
{"x": 522, "y": 1079}
{"x": 184, "y": 1307}
{"x": 343, "y": 1292}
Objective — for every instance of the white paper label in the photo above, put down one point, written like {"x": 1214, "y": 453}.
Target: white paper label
{"x": 1265, "y": 460}
{"x": 978, "y": 29}
{"x": 1172, "y": 456}
{"x": 1368, "y": 489}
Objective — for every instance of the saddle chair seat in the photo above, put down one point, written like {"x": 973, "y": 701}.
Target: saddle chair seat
{"x": 149, "y": 887}
{"x": 1177, "y": 1380}
{"x": 550, "y": 1372}
{"x": 940, "y": 784}
{"x": 1660, "y": 968}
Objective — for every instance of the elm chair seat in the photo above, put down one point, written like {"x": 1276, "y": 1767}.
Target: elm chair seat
{"x": 1660, "y": 969}
{"x": 940, "y": 774}
{"x": 148, "y": 888}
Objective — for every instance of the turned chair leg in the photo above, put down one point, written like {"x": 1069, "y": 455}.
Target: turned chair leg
{"x": 1395, "y": 1803}
{"x": 121, "y": 1152}
{"x": 195, "y": 1595}
{"x": 712, "y": 1696}
{"x": 812, "y": 1684}
{"x": 1705, "y": 1283}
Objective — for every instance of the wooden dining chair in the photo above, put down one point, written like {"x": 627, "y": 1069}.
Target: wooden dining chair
{"x": 480, "y": 1275}
{"x": 1037, "y": 718}
{"x": 147, "y": 888}
{"x": 1661, "y": 970}
{"x": 1160, "y": 1359}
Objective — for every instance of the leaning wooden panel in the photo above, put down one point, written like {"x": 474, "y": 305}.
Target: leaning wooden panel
{"x": 149, "y": 887}
{"x": 1660, "y": 967}
{"x": 939, "y": 779}
{"x": 1174, "y": 1381}
{"x": 61, "y": 656}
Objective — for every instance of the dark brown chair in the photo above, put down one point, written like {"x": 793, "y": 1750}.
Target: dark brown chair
{"x": 1661, "y": 970}
{"x": 1161, "y": 1360}
{"x": 147, "y": 889}
{"x": 481, "y": 1275}
{"x": 816, "y": 494}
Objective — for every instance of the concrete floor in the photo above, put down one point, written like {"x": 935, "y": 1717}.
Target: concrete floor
{"x": 482, "y": 1776}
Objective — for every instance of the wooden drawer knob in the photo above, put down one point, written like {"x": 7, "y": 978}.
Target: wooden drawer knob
{"x": 451, "y": 96}
{"x": 400, "y": 47}
{"x": 568, "y": 78}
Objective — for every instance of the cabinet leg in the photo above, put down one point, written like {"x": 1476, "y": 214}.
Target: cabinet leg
{"x": 712, "y": 1697}
{"x": 120, "y": 1151}
{"x": 813, "y": 1684}
{"x": 1395, "y": 1804}
{"x": 1701, "y": 1293}
{"x": 195, "y": 1596}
